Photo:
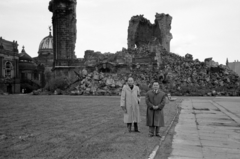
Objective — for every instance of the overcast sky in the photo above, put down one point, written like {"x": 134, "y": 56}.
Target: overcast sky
{"x": 203, "y": 28}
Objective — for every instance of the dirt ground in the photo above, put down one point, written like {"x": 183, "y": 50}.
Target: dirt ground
{"x": 75, "y": 127}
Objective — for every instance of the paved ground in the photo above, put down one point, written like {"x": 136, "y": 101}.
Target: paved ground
{"x": 207, "y": 128}
{"x": 76, "y": 127}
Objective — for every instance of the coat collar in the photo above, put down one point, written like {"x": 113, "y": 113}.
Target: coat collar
{"x": 128, "y": 87}
{"x": 158, "y": 91}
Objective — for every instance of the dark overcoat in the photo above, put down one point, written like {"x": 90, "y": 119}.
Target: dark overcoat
{"x": 155, "y": 117}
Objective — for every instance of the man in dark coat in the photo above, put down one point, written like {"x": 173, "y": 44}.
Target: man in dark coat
{"x": 155, "y": 100}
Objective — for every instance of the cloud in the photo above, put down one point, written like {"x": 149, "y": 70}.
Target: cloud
{"x": 87, "y": 3}
{"x": 181, "y": 43}
{"x": 13, "y": 3}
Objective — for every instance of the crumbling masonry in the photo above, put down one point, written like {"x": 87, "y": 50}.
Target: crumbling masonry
{"x": 64, "y": 31}
{"x": 142, "y": 32}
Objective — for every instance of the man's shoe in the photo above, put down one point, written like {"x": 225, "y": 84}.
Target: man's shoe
{"x": 136, "y": 127}
{"x": 129, "y": 125}
{"x": 150, "y": 135}
{"x": 158, "y": 131}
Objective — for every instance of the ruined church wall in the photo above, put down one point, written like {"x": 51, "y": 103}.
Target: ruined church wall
{"x": 142, "y": 32}
{"x": 132, "y": 29}
{"x": 164, "y": 23}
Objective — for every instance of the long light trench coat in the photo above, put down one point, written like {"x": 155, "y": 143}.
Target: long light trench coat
{"x": 130, "y": 99}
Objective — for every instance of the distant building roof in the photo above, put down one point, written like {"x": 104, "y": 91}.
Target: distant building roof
{"x": 8, "y": 45}
{"x": 24, "y": 56}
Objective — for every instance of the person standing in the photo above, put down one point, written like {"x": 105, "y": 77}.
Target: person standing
{"x": 155, "y": 100}
{"x": 130, "y": 100}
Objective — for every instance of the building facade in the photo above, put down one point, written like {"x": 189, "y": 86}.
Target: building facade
{"x": 31, "y": 74}
{"x": 9, "y": 66}
{"x": 18, "y": 71}
{"x": 235, "y": 66}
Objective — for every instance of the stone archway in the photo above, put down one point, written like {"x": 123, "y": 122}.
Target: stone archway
{"x": 106, "y": 67}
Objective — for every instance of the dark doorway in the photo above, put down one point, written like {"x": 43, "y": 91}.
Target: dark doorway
{"x": 105, "y": 68}
{"x": 9, "y": 88}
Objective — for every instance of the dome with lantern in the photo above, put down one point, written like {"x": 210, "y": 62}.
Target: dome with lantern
{"x": 46, "y": 45}
{"x": 45, "y": 51}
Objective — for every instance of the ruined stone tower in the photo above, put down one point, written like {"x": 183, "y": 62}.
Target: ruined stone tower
{"x": 64, "y": 32}
{"x": 142, "y": 32}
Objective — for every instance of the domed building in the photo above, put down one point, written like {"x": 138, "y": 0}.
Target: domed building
{"x": 26, "y": 65}
{"x": 18, "y": 71}
{"x": 45, "y": 51}
{"x": 31, "y": 74}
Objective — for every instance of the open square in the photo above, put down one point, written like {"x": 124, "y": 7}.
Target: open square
{"x": 72, "y": 127}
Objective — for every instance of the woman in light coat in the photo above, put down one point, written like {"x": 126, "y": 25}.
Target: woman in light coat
{"x": 130, "y": 100}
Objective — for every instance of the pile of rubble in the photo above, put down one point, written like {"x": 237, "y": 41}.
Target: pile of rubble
{"x": 98, "y": 83}
{"x": 185, "y": 76}
{"x": 178, "y": 75}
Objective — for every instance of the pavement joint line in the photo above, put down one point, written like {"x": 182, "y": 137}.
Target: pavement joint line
{"x": 201, "y": 145}
{"x": 227, "y": 112}
{"x": 154, "y": 152}
{"x": 222, "y": 97}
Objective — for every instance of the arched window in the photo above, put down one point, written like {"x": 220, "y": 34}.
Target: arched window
{"x": 8, "y": 69}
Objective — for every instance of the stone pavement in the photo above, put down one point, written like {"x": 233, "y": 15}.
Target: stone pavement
{"x": 208, "y": 129}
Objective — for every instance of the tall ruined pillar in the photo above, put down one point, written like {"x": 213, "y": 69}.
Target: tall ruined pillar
{"x": 64, "y": 31}
{"x": 132, "y": 30}
{"x": 164, "y": 22}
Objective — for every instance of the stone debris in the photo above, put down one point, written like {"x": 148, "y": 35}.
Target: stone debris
{"x": 178, "y": 75}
